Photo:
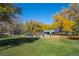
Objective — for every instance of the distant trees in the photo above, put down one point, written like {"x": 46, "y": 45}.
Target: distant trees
{"x": 46, "y": 27}
{"x": 33, "y": 26}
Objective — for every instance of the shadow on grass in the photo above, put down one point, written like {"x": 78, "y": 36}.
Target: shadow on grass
{"x": 8, "y": 43}
{"x": 5, "y": 36}
{"x": 73, "y": 37}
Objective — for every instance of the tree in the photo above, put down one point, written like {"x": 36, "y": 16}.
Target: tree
{"x": 66, "y": 18}
{"x": 32, "y": 27}
{"x": 63, "y": 23}
{"x": 76, "y": 28}
{"x": 9, "y": 14}
{"x": 45, "y": 27}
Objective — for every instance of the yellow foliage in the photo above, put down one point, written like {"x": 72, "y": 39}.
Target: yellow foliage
{"x": 72, "y": 14}
{"x": 45, "y": 26}
{"x": 67, "y": 25}
{"x": 55, "y": 25}
{"x": 57, "y": 17}
{"x": 63, "y": 21}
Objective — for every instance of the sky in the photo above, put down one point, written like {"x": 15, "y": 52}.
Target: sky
{"x": 41, "y": 12}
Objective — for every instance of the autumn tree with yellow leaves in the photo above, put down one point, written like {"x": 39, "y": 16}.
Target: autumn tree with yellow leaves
{"x": 62, "y": 23}
{"x": 31, "y": 26}
{"x": 65, "y": 19}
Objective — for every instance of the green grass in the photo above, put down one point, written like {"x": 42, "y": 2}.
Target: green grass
{"x": 40, "y": 47}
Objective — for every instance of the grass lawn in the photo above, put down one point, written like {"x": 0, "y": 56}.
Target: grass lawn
{"x": 13, "y": 46}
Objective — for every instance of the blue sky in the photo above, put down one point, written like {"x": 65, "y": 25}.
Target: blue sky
{"x": 41, "y": 12}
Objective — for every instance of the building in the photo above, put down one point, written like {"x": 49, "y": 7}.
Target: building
{"x": 49, "y": 32}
